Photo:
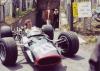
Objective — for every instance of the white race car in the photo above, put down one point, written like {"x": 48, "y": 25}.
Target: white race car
{"x": 38, "y": 46}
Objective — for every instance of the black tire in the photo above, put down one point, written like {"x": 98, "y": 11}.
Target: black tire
{"x": 71, "y": 45}
{"x": 48, "y": 30}
{"x": 98, "y": 18}
{"x": 6, "y": 32}
{"x": 8, "y": 51}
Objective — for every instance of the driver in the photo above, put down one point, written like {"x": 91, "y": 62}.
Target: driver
{"x": 28, "y": 25}
{"x": 31, "y": 30}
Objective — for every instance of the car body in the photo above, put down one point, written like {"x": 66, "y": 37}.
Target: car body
{"x": 39, "y": 49}
{"x": 37, "y": 46}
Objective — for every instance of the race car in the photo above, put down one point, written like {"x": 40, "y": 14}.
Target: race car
{"x": 37, "y": 46}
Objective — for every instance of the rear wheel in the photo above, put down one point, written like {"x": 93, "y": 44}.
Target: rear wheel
{"x": 48, "y": 30}
{"x": 6, "y": 32}
{"x": 8, "y": 51}
{"x": 70, "y": 45}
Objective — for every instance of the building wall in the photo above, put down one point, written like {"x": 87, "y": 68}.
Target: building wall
{"x": 29, "y": 4}
{"x": 8, "y": 8}
{"x": 98, "y": 2}
{"x": 1, "y": 14}
{"x": 20, "y": 5}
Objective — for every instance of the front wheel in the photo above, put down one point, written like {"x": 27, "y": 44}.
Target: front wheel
{"x": 48, "y": 30}
{"x": 6, "y": 31}
{"x": 97, "y": 18}
{"x": 70, "y": 45}
{"x": 8, "y": 51}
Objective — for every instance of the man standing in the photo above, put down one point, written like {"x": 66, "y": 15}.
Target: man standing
{"x": 95, "y": 58}
{"x": 42, "y": 6}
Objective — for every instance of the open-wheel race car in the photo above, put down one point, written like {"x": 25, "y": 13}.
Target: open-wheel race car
{"x": 37, "y": 46}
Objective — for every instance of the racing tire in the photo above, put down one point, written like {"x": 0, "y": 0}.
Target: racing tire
{"x": 8, "y": 51}
{"x": 98, "y": 18}
{"x": 71, "y": 44}
{"x": 48, "y": 30}
{"x": 6, "y": 32}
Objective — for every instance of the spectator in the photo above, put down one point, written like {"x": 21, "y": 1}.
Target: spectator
{"x": 95, "y": 58}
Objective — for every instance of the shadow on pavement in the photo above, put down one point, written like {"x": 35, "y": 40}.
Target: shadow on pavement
{"x": 77, "y": 57}
{"x": 58, "y": 67}
{"x": 15, "y": 68}
{"x": 19, "y": 66}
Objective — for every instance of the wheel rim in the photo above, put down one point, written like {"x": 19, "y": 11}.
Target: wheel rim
{"x": 2, "y": 52}
{"x": 63, "y": 50}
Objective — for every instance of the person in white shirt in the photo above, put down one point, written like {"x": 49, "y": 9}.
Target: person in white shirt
{"x": 31, "y": 30}
{"x": 28, "y": 25}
